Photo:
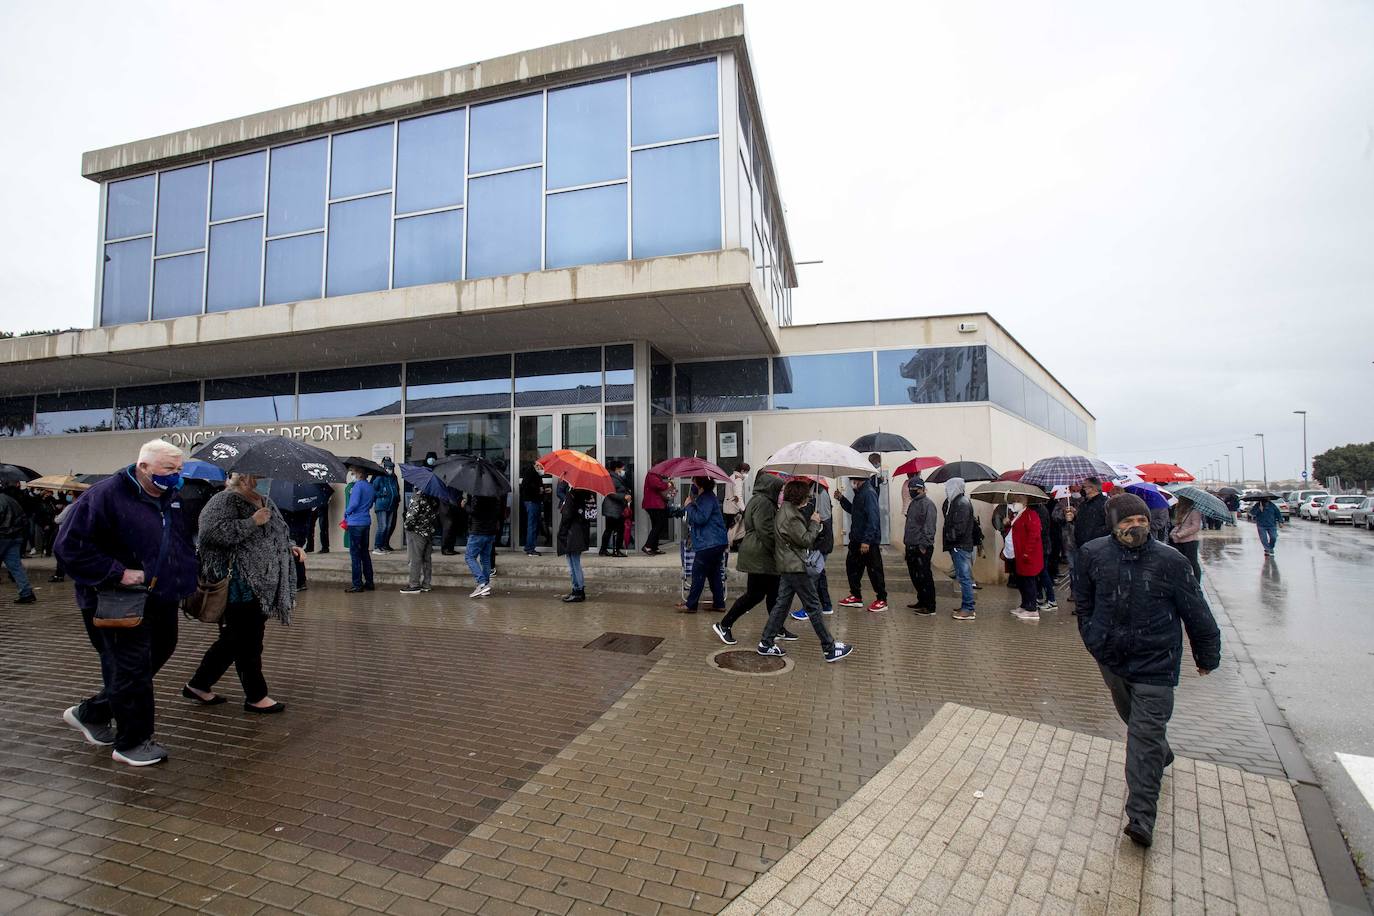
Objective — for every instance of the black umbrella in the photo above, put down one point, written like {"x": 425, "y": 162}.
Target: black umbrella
{"x": 92, "y": 478}
{"x": 1228, "y": 491}
{"x": 17, "y": 473}
{"x": 297, "y": 497}
{"x": 969, "y": 470}
{"x": 372, "y": 467}
{"x": 474, "y": 475}
{"x": 276, "y": 457}
{"x": 1255, "y": 497}
{"x": 882, "y": 442}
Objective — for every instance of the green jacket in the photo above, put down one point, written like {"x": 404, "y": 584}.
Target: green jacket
{"x": 756, "y": 550}
{"x": 796, "y": 534}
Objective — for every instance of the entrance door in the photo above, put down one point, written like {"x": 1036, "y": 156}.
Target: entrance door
{"x": 539, "y": 433}
{"x": 721, "y": 442}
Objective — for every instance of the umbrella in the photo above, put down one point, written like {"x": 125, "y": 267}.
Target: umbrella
{"x": 423, "y": 480}
{"x": 578, "y": 470}
{"x": 1228, "y": 491}
{"x": 1165, "y": 473}
{"x": 882, "y": 442}
{"x": 969, "y": 470}
{"x": 92, "y": 478}
{"x": 689, "y": 467}
{"x": 1206, "y": 503}
{"x": 1006, "y": 491}
{"x": 195, "y": 469}
{"x": 16, "y": 473}
{"x": 372, "y": 467}
{"x": 1248, "y": 497}
{"x": 917, "y": 465}
{"x": 1012, "y": 475}
{"x": 273, "y": 456}
{"x": 474, "y": 475}
{"x": 297, "y": 497}
{"x": 1067, "y": 470}
{"x": 1154, "y": 497}
{"x": 57, "y": 483}
{"x": 786, "y": 476}
{"x": 1125, "y": 473}
{"x": 819, "y": 458}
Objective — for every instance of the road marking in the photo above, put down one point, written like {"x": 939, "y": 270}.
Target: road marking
{"x": 1361, "y": 770}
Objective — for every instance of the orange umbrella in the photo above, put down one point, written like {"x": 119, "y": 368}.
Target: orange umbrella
{"x": 1164, "y": 473}
{"x": 579, "y": 470}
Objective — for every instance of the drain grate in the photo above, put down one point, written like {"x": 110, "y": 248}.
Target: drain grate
{"x": 747, "y": 661}
{"x": 628, "y": 643}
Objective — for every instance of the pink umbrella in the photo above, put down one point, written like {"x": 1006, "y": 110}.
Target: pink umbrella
{"x": 689, "y": 467}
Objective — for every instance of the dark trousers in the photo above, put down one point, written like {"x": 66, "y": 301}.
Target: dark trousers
{"x": 1030, "y": 590}
{"x": 1045, "y": 583}
{"x": 706, "y": 568}
{"x": 823, "y": 590}
{"x": 239, "y": 644}
{"x": 300, "y": 537}
{"x": 454, "y": 522}
{"x": 761, "y": 588}
{"x": 918, "y": 567}
{"x": 129, "y": 659}
{"x": 322, "y": 520}
{"x": 359, "y": 558}
{"x": 658, "y": 523}
{"x": 611, "y": 534}
{"x": 855, "y": 562}
{"x": 1145, "y": 708}
{"x": 804, "y": 588}
{"x": 1189, "y": 550}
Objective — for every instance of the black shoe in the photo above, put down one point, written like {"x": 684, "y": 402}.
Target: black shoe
{"x": 724, "y": 633}
{"x": 57, "y": 578}
{"x": 448, "y": 553}
{"x": 190, "y": 694}
{"x": 531, "y": 553}
{"x": 353, "y": 590}
{"x": 925, "y": 612}
{"x": 788, "y": 635}
{"x": 369, "y": 587}
{"x": 264, "y": 710}
{"x": 603, "y": 553}
{"x": 303, "y": 587}
{"x": 577, "y": 595}
{"x": 308, "y": 549}
{"x": 30, "y": 598}
{"x": 619, "y": 553}
{"x": 324, "y": 550}
{"x": 1139, "y": 834}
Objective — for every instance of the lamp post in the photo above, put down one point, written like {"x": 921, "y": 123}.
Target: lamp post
{"x": 1264, "y": 460}
{"x": 1304, "y": 443}
{"x": 1242, "y": 466}
{"x": 1228, "y": 468}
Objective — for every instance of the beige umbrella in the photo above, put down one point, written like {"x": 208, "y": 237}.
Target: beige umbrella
{"x": 58, "y": 483}
{"x": 1006, "y": 491}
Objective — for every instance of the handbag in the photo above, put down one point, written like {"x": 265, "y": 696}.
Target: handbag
{"x": 814, "y": 563}
{"x": 208, "y": 601}
{"x": 123, "y": 605}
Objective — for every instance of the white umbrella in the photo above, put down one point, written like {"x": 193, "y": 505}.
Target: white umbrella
{"x": 1126, "y": 474}
{"x": 818, "y": 458}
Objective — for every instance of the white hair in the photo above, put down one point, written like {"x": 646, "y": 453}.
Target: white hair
{"x": 154, "y": 449}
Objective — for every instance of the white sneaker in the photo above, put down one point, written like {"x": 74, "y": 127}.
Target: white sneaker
{"x": 485, "y": 591}
{"x": 477, "y": 592}
{"x": 1026, "y": 615}
{"x": 378, "y": 550}
{"x": 1050, "y": 606}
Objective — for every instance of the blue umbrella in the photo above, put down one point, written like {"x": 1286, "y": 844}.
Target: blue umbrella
{"x": 1150, "y": 493}
{"x": 195, "y": 469}
{"x": 423, "y": 480}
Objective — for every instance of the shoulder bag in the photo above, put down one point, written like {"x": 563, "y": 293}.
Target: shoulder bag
{"x": 123, "y": 605}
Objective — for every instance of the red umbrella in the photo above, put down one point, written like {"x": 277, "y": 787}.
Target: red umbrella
{"x": 579, "y": 470}
{"x": 689, "y": 467}
{"x": 1012, "y": 475}
{"x": 1164, "y": 473}
{"x": 917, "y": 465}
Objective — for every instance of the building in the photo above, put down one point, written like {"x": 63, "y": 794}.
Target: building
{"x": 580, "y": 246}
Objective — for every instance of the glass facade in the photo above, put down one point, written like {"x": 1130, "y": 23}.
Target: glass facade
{"x": 1011, "y": 389}
{"x": 932, "y": 375}
{"x": 722, "y": 386}
{"x": 16, "y": 416}
{"x": 253, "y": 399}
{"x": 75, "y": 412}
{"x": 823, "y": 380}
{"x": 554, "y": 377}
{"x": 361, "y": 391}
{"x": 446, "y": 385}
{"x": 163, "y": 406}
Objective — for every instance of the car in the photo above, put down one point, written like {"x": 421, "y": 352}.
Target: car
{"x": 1337, "y": 509}
{"x": 1363, "y": 516}
{"x": 1283, "y": 506}
{"x": 1311, "y": 503}
{"x": 1298, "y": 497}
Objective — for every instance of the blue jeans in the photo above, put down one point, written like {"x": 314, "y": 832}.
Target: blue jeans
{"x": 706, "y": 569}
{"x": 478, "y": 556}
{"x": 383, "y": 529}
{"x": 533, "y": 512}
{"x": 963, "y": 569}
{"x": 1268, "y": 537}
{"x": 575, "y": 570}
{"x": 359, "y": 559}
{"x": 1045, "y": 584}
{"x": 10, "y": 553}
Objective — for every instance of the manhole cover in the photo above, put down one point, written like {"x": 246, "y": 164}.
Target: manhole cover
{"x": 748, "y": 662}
{"x": 629, "y": 643}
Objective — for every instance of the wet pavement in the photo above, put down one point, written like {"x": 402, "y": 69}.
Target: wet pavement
{"x": 1307, "y": 617}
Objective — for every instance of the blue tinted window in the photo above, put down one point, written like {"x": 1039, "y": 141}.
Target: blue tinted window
{"x": 295, "y": 195}
{"x": 677, "y": 199}
{"x": 1006, "y": 384}
{"x": 506, "y": 134}
{"x": 1058, "y": 419}
{"x": 722, "y": 386}
{"x": 558, "y": 377}
{"x": 620, "y": 372}
{"x": 359, "y": 392}
{"x": 429, "y": 162}
{"x": 235, "y": 265}
{"x": 237, "y": 188}
{"x": 181, "y": 209}
{"x": 675, "y": 103}
{"x": 254, "y": 399}
{"x": 587, "y": 134}
{"x": 161, "y": 406}
{"x": 177, "y": 285}
{"x": 293, "y": 269}
{"x": 934, "y": 375}
{"x": 359, "y": 243}
{"x": 75, "y": 412}
{"x": 503, "y": 223}
{"x": 586, "y": 227}
{"x": 429, "y": 249}
{"x": 124, "y": 294}
{"x": 824, "y": 380}
{"x": 129, "y": 207}
{"x": 1037, "y": 405}
{"x": 16, "y": 416}
{"x": 475, "y": 383}
{"x": 360, "y": 162}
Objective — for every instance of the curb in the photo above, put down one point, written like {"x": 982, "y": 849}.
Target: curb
{"x": 1343, "y": 888}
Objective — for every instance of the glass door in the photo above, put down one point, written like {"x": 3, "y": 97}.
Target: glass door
{"x": 538, "y": 434}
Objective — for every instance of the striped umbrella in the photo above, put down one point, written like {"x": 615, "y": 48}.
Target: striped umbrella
{"x": 1205, "y": 502}
{"x": 578, "y": 470}
{"x": 1066, "y": 470}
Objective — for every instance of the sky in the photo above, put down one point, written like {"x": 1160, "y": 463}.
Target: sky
{"x": 1170, "y": 205}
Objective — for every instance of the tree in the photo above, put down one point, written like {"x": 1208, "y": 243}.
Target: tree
{"x": 1353, "y": 464}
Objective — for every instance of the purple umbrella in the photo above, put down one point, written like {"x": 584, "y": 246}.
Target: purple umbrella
{"x": 1154, "y": 499}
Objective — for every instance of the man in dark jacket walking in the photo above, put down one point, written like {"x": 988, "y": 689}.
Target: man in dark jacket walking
{"x": 13, "y": 525}
{"x": 865, "y": 551}
{"x": 1135, "y": 596}
{"x": 962, "y": 536}
{"x": 756, "y": 557}
{"x": 128, "y": 531}
{"x": 918, "y": 538}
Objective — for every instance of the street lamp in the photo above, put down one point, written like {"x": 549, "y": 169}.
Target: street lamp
{"x": 1264, "y": 460}
{"x": 1304, "y": 443}
{"x": 1228, "y": 468}
{"x": 1242, "y": 466}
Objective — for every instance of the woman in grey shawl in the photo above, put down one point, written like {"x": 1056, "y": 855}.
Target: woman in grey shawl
{"x": 244, "y": 536}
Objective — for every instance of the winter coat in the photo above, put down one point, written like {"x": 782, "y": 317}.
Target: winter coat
{"x": 794, "y": 533}
{"x": 229, "y": 537}
{"x": 1130, "y": 604}
{"x": 1090, "y": 522}
{"x": 358, "y": 513}
{"x": 1028, "y": 542}
{"x": 1188, "y": 529}
{"x": 422, "y": 516}
{"x": 13, "y": 521}
{"x": 865, "y": 523}
{"x": 1266, "y": 515}
{"x": 485, "y": 515}
{"x": 920, "y": 523}
{"x": 115, "y": 526}
{"x": 756, "y": 550}
{"x": 575, "y": 529}
{"x": 615, "y": 504}
{"x": 1159, "y": 524}
{"x": 734, "y": 499}
{"x": 387, "y": 493}
{"x": 655, "y": 492}
{"x": 704, "y": 518}
{"x": 961, "y": 524}
{"x": 531, "y": 485}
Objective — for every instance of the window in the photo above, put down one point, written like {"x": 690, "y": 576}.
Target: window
{"x": 722, "y": 386}
{"x": 293, "y": 268}
{"x": 429, "y": 249}
{"x": 75, "y": 412}
{"x": 360, "y": 162}
{"x": 507, "y": 133}
{"x": 486, "y": 435}
{"x": 359, "y": 245}
{"x": 363, "y": 391}
{"x": 235, "y": 265}
{"x": 504, "y": 216}
{"x": 677, "y": 199}
{"x": 124, "y": 288}
{"x": 162, "y": 406}
{"x": 295, "y": 196}
{"x": 16, "y": 416}
{"x": 238, "y": 186}
{"x": 1058, "y": 419}
{"x": 934, "y": 375}
{"x": 620, "y": 373}
{"x": 587, "y": 227}
{"x": 253, "y": 399}
{"x": 447, "y": 385}
{"x": 429, "y": 162}
{"x": 1037, "y": 405}
{"x": 558, "y": 377}
{"x": 618, "y": 427}
{"x": 1006, "y": 384}
{"x": 675, "y": 103}
{"x": 660, "y": 383}
{"x": 587, "y": 134}
{"x": 129, "y": 207}
{"x": 177, "y": 285}
{"x": 181, "y": 198}
{"x": 824, "y": 380}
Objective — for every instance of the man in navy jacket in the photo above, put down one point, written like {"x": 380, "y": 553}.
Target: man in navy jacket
{"x": 114, "y": 537}
{"x": 865, "y": 545}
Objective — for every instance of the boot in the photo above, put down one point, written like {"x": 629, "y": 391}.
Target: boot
{"x": 575, "y": 596}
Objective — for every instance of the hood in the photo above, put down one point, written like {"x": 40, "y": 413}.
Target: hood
{"x": 954, "y": 488}
{"x": 768, "y": 486}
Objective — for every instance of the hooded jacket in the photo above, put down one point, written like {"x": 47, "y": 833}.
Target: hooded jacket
{"x": 961, "y": 525}
{"x": 756, "y": 550}
{"x": 795, "y": 534}
{"x": 920, "y": 522}
{"x": 1132, "y": 606}
{"x": 865, "y": 523}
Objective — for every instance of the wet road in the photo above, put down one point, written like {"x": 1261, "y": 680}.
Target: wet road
{"x": 1307, "y": 617}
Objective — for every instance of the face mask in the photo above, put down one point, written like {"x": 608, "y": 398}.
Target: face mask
{"x": 69, "y": 497}
{"x": 1016, "y": 507}
{"x": 352, "y": 477}
{"x": 429, "y": 461}
{"x": 1134, "y": 536}
{"x": 166, "y": 481}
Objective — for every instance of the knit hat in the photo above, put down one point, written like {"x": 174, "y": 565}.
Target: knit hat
{"x": 1125, "y": 505}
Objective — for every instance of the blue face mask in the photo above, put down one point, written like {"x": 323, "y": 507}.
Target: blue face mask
{"x": 166, "y": 481}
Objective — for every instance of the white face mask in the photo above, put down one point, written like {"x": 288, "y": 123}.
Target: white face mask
{"x": 352, "y": 477}
{"x": 1016, "y": 507}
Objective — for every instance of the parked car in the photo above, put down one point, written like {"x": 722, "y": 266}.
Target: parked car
{"x": 1363, "y": 516}
{"x": 1338, "y": 509}
{"x": 1311, "y": 503}
{"x": 1283, "y": 506}
{"x": 1298, "y": 497}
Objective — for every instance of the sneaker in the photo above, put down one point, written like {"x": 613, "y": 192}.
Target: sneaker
{"x": 411, "y": 591}
{"x": 1139, "y": 834}
{"x": 476, "y": 592}
{"x": 1023, "y": 614}
{"x": 1050, "y": 606}
{"x": 976, "y": 585}
{"x": 378, "y": 550}
{"x": 145, "y": 755}
{"x": 101, "y": 735}
{"x": 839, "y": 652}
{"x": 877, "y": 607}
{"x": 925, "y": 611}
{"x": 30, "y": 598}
{"x": 426, "y": 588}
{"x": 765, "y": 649}
{"x": 827, "y": 610}
{"x": 799, "y": 614}
{"x": 852, "y": 601}
{"x": 788, "y": 635}
{"x": 962, "y": 614}
{"x": 531, "y": 553}
{"x": 1039, "y": 604}
{"x": 724, "y": 633}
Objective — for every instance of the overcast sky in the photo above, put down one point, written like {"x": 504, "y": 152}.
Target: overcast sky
{"x": 1171, "y": 204}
